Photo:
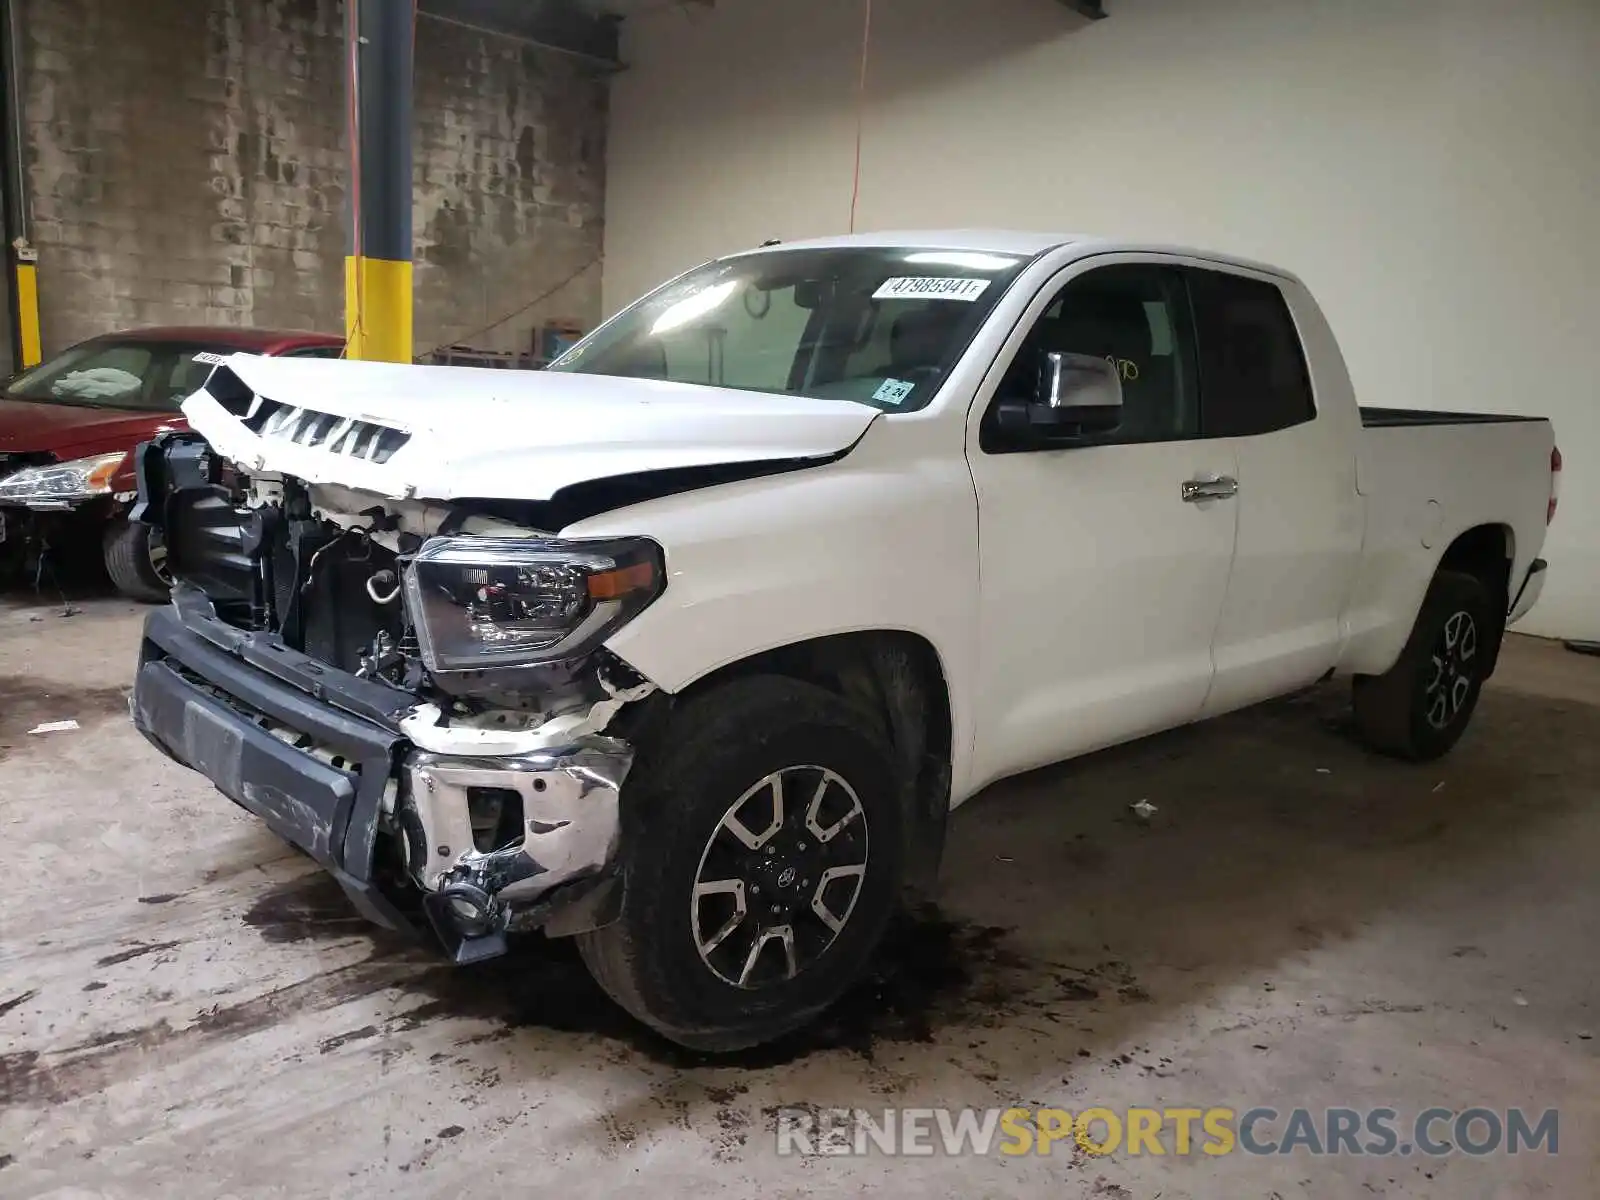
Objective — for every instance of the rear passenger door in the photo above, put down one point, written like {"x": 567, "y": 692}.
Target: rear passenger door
{"x": 1299, "y": 537}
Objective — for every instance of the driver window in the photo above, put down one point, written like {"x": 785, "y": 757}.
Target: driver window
{"x": 1136, "y": 317}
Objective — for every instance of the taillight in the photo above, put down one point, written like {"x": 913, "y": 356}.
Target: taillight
{"x": 1555, "y": 483}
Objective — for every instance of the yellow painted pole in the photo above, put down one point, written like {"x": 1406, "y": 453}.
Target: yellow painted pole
{"x": 30, "y": 348}
{"x": 377, "y": 309}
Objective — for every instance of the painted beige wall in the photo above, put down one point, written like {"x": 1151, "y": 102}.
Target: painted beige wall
{"x": 1430, "y": 167}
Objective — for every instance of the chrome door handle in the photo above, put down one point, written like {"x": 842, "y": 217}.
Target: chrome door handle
{"x": 1222, "y": 487}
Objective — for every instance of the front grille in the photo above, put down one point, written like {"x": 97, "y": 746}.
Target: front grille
{"x": 366, "y": 440}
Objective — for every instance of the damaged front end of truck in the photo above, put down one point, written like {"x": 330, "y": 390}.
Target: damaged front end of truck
{"x": 413, "y": 691}
{"x": 289, "y": 669}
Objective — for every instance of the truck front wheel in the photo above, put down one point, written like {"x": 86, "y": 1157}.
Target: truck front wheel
{"x": 1420, "y": 707}
{"x": 761, "y": 861}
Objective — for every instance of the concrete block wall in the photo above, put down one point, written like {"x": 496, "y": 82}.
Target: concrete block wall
{"x": 187, "y": 165}
{"x": 509, "y": 196}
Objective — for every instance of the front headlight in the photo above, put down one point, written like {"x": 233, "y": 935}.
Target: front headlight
{"x": 64, "y": 484}
{"x": 482, "y": 602}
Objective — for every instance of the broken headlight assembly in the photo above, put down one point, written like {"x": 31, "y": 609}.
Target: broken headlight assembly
{"x": 485, "y": 602}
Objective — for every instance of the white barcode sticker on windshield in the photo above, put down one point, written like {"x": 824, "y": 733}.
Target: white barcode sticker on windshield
{"x": 210, "y": 359}
{"x": 924, "y": 287}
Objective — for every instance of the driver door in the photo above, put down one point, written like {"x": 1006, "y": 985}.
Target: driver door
{"x": 1103, "y": 577}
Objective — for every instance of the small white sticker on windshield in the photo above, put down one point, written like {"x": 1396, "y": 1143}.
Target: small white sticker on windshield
{"x": 924, "y": 287}
{"x": 210, "y": 359}
{"x": 894, "y": 391}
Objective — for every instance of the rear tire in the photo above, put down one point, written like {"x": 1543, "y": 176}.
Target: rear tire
{"x": 717, "y": 865}
{"x": 134, "y": 557}
{"x": 1420, "y": 707}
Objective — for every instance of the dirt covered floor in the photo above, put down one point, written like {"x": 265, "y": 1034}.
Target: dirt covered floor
{"x": 186, "y": 1009}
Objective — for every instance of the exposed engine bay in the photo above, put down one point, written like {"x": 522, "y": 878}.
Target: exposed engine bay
{"x": 323, "y": 568}
{"x": 473, "y": 642}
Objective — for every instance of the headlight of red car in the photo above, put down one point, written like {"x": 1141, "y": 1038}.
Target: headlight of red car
{"x": 62, "y": 485}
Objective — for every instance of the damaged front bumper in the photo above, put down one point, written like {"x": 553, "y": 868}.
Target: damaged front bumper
{"x": 570, "y": 815}
{"x": 322, "y": 757}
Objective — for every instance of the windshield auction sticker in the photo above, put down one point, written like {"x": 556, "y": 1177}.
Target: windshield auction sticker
{"x": 931, "y": 288}
{"x": 894, "y": 391}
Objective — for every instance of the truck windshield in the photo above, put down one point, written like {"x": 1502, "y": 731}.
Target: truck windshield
{"x": 876, "y": 325}
{"x": 152, "y": 376}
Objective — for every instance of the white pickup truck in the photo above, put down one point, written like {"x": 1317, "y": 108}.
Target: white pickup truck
{"x": 688, "y": 645}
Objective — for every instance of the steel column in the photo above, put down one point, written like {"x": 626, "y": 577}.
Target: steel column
{"x": 22, "y": 270}
{"x": 380, "y": 54}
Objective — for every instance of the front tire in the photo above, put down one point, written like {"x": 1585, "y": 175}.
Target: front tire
{"x": 761, "y": 863}
{"x": 1420, "y": 707}
{"x": 136, "y": 561}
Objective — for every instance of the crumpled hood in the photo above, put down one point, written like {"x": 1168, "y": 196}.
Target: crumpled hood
{"x": 513, "y": 435}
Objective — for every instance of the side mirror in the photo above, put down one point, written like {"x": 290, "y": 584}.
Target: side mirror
{"x": 1076, "y": 395}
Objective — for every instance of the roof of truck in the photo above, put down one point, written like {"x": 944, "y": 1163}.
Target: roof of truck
{"x": 1010, "y": 241}
{"x": 992, "y": 241}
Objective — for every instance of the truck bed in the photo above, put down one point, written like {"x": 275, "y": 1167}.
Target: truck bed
{"x": 1383, "y": 418}
{"x": 1427, "y": 477}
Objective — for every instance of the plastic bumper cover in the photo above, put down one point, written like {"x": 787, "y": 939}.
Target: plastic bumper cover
{"x": 211, "y": 709}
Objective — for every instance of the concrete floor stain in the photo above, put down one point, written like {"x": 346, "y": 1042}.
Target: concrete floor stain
{"x": 930, "y": 973}
{"x": 26, "y": 701}
{"x": 133, "y": 952}
{"x": 311, "y": 907}
{"x": 16, "y": 1001}
{"x": 109, "y": 1056}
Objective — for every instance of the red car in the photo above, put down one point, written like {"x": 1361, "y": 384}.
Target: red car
{"x": 67, "y": 427}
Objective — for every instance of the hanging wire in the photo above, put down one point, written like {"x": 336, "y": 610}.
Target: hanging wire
{"x": 353, "y": 140}
{"x": 861, "y": 112}
{"x": 517, "y": 312}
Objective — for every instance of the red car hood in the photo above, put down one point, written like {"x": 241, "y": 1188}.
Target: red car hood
{"x": 73, "y": 431}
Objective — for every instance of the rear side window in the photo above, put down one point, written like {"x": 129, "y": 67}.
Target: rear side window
{"x": 1253, "y": 376}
